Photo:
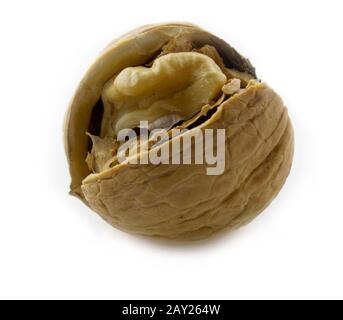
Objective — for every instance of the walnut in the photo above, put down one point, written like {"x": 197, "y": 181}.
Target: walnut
{"x": 183, "y": 79}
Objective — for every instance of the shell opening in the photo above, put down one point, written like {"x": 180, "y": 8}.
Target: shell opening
{"x": 181, "y": 88}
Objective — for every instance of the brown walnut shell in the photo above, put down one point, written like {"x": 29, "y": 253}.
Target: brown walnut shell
{"x": 182, "y": 201}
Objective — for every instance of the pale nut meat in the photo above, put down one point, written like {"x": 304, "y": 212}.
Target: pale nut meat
{"x": 176, "y": 76}
{"x": 185, "y": 82}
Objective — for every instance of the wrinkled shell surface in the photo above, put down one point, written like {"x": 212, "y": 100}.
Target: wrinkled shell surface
{"x": 181, "y": 201}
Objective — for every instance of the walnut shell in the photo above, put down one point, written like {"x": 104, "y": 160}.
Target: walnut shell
{"x": 182, "y": 201}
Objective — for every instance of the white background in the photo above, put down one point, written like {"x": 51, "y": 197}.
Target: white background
{"x": 53, "y": 247}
